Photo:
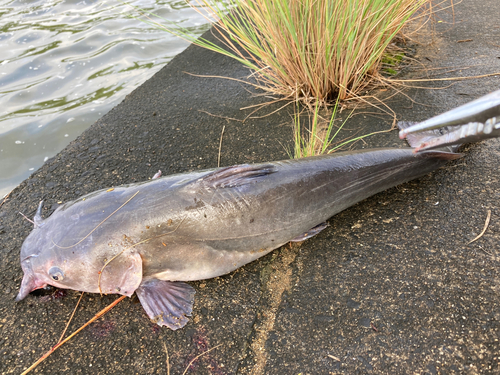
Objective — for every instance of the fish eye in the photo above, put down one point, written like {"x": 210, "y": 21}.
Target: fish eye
{"x": 56, "y": 274}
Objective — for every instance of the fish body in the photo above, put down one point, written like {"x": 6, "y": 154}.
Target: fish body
{"x": 150, "y": 237}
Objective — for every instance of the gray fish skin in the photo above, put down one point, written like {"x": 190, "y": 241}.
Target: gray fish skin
{"x": 148, "y": 237}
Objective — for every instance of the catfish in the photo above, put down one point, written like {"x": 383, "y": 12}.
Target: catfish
{"x": 152, "y": 237}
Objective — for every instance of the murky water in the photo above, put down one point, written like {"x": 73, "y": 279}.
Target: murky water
{"x": 65, "y": 63}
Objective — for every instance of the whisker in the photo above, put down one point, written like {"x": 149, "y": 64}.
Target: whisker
{"x": 27, "y": 218}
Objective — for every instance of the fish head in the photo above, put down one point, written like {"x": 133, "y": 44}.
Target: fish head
{"x": 41, "y": 265}
{"x": 86, "y": 266}
{"x": 44, "y": 263}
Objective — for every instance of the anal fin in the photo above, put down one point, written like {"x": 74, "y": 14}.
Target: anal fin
{"x": 311, "y": 232}
{"x": 167, "y": 303}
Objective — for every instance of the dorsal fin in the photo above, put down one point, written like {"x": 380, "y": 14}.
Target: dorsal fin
{"x": 237, "y": 175}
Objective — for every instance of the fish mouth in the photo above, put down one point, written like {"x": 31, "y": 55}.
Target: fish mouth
{"x": 29, "y": 284}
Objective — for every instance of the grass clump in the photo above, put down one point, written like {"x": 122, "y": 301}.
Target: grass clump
{"x": 312, "y": 50}
{"x": 317, "y": 135}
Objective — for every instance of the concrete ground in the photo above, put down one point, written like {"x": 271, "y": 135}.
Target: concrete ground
{"x": 392, "y": 286}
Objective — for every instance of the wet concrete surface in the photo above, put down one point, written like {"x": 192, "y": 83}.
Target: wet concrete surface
{"x": 392, "y": 286}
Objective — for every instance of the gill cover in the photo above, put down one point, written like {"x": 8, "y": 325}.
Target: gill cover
{"x": 122, "y": 275}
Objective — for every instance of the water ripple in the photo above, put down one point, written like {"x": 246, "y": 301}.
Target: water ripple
{"x": 64, "y": 63}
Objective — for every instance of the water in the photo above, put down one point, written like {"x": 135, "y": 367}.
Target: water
{"x": 65, "y": 63}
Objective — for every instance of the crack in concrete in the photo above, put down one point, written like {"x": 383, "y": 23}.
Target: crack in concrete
{"x": 276, "y": 279}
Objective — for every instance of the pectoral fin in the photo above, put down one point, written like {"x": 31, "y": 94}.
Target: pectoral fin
{"x": 167, "y": 303}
